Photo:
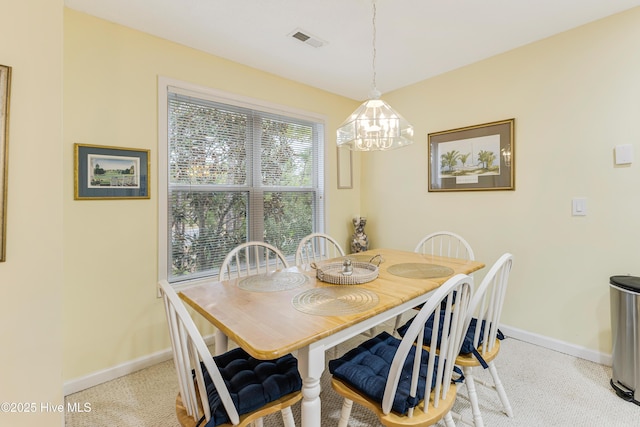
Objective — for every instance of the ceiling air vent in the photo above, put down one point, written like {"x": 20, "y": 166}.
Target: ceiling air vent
{"x": 307, "y": 38}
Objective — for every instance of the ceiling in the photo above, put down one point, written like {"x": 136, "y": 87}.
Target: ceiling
{"x": 415, "y": 39}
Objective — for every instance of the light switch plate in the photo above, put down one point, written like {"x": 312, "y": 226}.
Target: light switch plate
{"x": 579, "y": 206}
{"x": 624, "y": 154}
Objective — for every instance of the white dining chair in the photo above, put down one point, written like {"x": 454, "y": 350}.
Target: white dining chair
{"x": 445, "y": 244}
{"x": 252, "y": 258}
{"x": 399, "y": 381}
{"x": 481, "y": 343}
{"x": 229, "y": 389}
{"x": 485, "y": 311}
{"x": 317, "y": 247}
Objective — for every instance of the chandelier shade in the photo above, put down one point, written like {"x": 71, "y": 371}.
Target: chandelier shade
{"x": 374, "y": 126}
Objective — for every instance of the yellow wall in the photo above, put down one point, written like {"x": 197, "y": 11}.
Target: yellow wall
{"x": 111, "y": 311}
{"x": 91, "y": 297}
{"x": 574, "y": 97}
{"x": 31, "y": 277}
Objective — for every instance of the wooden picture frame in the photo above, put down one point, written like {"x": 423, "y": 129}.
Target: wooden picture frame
{"x": 103, "y": 173}
{"x": 480, "y": 157}
{"x": 345, "y": 168}
{"x": 5, "y": 97}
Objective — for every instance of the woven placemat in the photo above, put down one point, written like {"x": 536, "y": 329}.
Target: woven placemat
{"x": 335, "y": 301}
{"x": 273, "y": 282}
{"x": 417, "y": 270}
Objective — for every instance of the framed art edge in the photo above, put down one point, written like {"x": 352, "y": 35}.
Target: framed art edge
{"x": 5, "y": 98}
{"x": 473, "y": 178}
{"x": 80, "y": 187}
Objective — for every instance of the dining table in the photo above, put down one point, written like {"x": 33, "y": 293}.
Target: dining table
{"x": 291, "y": 310}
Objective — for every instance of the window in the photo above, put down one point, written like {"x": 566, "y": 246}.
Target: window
{"x": 233, "y": 172}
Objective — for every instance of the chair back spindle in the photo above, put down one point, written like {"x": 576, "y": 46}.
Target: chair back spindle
{"x": 252, "y": 258}
{"x": 446, "y": 244}
{"x": 317, "y": 247}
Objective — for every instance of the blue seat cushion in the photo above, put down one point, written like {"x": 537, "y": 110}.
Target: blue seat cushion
{"x": 366, "y": 369}
{"x": 251, "y": 382}
{"x": 467, "y": 342}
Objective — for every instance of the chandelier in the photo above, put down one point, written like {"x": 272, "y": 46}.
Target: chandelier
{"x": 374, "y": 126}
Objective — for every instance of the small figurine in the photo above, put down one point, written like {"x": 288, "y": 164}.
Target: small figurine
{"x": 347, "y": 268}
{"x": 359, "y": 240}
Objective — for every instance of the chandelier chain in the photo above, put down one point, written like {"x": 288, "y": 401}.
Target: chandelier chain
{"x": 374, "y": 88}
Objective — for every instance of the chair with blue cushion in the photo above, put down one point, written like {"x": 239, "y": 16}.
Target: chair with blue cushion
{"x": 400, "y": 381}
{"x": 444, "y": 244}
{"x": 481, "y": 343}
{"x": 230, "y": 389}
{"x": 317, "y": 247}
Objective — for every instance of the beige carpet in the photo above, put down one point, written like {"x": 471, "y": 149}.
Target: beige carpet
{"x": 546, "y": 388}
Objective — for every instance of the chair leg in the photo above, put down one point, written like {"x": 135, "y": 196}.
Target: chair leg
{"x": 345, "y": 413}
{"x": 457, "y": 417}
{"x": 397, "y": 323}
{"x": 500, "y": 389}
{"x": 448, "y": 420}
{"x": 287, "y": 417}
{"x": 473, "y": 396}
{"x": 222, "y": 342}
{"x": 258, "y": 423}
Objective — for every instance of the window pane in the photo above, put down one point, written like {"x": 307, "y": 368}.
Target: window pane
{"x": 288, "y": 217}
{"x": 204, "y": 227}
{"x": 207, "y": 144}
{"x": 236, "y": 174}
{"x": 286, "y": 153}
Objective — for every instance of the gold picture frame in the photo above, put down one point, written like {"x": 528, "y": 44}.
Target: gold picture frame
{"x": 472, "y": 158}
{"x": 5, "y": 96}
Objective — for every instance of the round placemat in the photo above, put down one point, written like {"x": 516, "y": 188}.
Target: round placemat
{"x": 273, "y": 282}
{"x": 335, "y": 301}
{"x": 417, "y": 270}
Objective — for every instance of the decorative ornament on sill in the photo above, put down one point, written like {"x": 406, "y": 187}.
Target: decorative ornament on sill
{"x": 359, "y": 240}
{"x": 374, "y": 126}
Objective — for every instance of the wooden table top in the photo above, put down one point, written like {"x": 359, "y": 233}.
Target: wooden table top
{"x": 267, "y": 325}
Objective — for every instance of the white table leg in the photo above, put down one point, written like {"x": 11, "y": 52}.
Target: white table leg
{"x": 311, "y": 365}
{"x": 222, "y": 342}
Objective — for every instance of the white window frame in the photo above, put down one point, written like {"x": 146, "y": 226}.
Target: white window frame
{"x": 166, "y": 85}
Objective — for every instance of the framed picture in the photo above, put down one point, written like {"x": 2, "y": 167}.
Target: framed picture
{"x": 480, "y": 157}
{"x": 110, "y": 172}
{"x": 345, "y": 165}
{"x": 5, "y": 95}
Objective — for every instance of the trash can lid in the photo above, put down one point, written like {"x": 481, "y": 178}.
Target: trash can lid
{"x": 629, "y": 283}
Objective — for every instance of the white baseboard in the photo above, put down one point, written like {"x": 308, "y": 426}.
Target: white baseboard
{"x": 557, "y": 345}
{"x": 91, "y": 380}
{"x": 96, "y": 378}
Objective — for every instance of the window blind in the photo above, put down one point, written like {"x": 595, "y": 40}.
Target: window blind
{"x": 237, "y": 174}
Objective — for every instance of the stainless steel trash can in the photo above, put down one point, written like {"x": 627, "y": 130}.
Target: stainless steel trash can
{"x": 624, "y": 292}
